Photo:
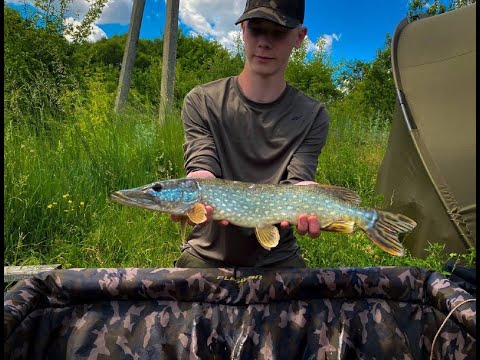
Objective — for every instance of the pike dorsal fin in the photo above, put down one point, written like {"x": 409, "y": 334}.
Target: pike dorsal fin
{"x": 340, "y": 227}
{"x": 341, "y": 193}
{"x": 268, "y": 236}
{"x": 197, "y": 214}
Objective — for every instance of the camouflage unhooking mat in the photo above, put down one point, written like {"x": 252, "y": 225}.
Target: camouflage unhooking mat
{"x": 343, "y": 313}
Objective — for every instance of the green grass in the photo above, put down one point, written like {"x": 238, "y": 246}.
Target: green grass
{"x": 58, "y": 181}
{"x": 57, "y": 187}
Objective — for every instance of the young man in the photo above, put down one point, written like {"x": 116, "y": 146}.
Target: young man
{"x": 254, "y": 127}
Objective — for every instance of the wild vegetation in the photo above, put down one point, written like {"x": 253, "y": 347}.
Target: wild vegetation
{"x": 66, "y": 150}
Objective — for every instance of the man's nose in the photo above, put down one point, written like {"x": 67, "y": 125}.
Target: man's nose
{"x": 264, "y": 40}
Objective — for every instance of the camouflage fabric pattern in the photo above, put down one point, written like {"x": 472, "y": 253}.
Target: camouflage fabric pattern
{"x": 268, "y": 10}
{"x": 181, "y": 313}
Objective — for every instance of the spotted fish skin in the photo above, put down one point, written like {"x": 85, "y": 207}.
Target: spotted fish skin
{"x": 252, "y": 205}
{"x": 260, "y": 206}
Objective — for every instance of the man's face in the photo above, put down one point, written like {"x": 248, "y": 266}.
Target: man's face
{"x": 268, "y": 45}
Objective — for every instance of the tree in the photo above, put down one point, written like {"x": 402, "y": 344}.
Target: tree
{"x": 350, "y": 74}
{"x": 380, "y": 91}
{"x": 42, "y": 72}
{"x": 37, "y": 65}
{"x": 313, "y": 75}
{"x": 200, "y": 60}
{"x": 81, "y": 32}
{"x": 434, "y": 7}
{"x": 368, "y": 87}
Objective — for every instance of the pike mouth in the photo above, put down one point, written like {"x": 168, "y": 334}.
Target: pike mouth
{"x": 133, "y": 198}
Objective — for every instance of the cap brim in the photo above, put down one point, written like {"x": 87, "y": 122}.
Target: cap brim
{"x": 270, "y": 15}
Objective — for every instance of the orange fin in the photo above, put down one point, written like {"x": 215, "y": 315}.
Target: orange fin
{"x": 197, "y": 214}
{"x": 268, "y": 236}
{"x": 340, "y": 227}
{"x": 384, "y": 232}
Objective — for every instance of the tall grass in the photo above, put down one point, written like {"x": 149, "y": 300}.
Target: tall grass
{"x": 58, "y": 181}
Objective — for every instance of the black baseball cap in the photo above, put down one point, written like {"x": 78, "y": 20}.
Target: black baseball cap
{"x": 288, "y": 13}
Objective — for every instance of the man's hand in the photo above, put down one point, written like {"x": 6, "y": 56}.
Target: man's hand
{"x": 305, "y": 223}
{"x": 208, "y": 209}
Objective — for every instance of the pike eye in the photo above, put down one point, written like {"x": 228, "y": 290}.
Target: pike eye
{"x": 157, "y": 187}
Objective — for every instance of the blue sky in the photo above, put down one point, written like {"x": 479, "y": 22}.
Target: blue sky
{"x": 352, "y": 30}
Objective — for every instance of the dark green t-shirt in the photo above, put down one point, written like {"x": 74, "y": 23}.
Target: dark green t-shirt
{"x": 238, "y": 139}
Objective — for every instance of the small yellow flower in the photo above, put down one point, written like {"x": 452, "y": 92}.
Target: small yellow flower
{"x": 70, "y": 201}
{"x": 54, "y": 203}
{"x": 49, "y": 206}
{"x": 66, "y": 195}
{"x": 82, "y": 203}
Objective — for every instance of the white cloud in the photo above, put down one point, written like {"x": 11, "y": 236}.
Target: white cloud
{"x": 325, "y": 41}
{"x": 213, "y": 18}
{"x": 216, "y": 19}
{"x": 311, "y": 46}
{"x": 228, "y": 40}
{"x": 116, "y": 12}
{"x": 328, "y": 40}
{"x": 95, "y": 34}
{"x": 20, "y": 2}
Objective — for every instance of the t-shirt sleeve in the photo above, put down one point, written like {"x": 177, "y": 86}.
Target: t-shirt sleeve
{"x": 304, "y": 161}
{"x": 200, "y": 152}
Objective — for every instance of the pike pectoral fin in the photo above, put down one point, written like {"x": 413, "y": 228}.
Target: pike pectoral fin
{"x": 197, "y": 214}
{"x": 268, "y": 236}
{"x": 340, "y": 226}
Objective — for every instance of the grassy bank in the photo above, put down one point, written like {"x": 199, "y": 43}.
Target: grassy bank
{"x": 58, "y": 181}
{"x": 57, "y": 184}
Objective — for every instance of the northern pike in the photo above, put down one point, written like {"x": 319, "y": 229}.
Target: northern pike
{"x": 260, "y": 206}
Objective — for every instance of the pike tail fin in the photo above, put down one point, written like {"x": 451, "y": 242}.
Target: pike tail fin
{"x": 384, "y": 232}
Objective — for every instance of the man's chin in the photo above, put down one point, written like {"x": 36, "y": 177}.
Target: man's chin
{"x": 265, "y": 71}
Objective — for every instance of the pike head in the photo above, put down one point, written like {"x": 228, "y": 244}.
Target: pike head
{"x": 168, "y": 196}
